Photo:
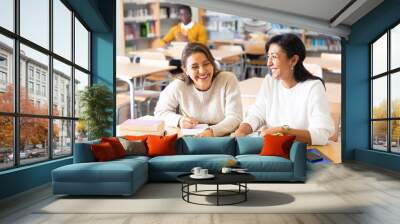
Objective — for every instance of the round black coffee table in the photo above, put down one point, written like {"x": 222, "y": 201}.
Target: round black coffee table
{"x": 238, "y": 179}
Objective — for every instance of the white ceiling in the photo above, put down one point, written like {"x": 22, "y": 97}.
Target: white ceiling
{"x": 315, "y": 15}
{"x": 321, "y": 9}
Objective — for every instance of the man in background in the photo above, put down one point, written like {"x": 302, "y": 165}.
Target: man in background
{"x": 186, "y": 30}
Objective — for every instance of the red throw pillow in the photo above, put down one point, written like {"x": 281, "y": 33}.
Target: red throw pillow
{"x": 116, "y": 145}
{"x": 161, "y": 145}
{"x": 277, "y": 145}
{"x": 103, "y": 151}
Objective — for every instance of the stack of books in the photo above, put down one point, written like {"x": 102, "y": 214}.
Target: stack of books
{"x": 141, "y": 127}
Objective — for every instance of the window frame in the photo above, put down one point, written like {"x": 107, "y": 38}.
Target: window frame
{"x": 388, "y": 74}
{"x": 16, "y": 114}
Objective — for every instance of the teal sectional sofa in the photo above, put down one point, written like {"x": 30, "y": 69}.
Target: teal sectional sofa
{"x": 125, "y": 176}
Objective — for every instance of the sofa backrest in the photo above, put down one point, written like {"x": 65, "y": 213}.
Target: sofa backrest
{"x": 190, "y": 146}
{"x": 212, "y": 145}
{"x": 83, "y": 153}
{"x": 249, "y": 145}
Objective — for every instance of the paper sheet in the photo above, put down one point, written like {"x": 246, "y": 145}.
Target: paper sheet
{"x": 254, "y": 134}
{"x": 194, "y": 131}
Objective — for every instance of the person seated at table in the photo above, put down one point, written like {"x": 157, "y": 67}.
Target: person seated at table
{"x": 291, "y": 101}
{"x": 186, "y": 30}
{"x": 201, "y": 95}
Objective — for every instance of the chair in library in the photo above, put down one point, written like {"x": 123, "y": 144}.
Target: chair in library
{"x": 142, "y": 95}
{"x": 234, "y": 64}
{"x": 122, "y": 107}
{"x": 256, "y": 61}
{"x": 156, "y": 79}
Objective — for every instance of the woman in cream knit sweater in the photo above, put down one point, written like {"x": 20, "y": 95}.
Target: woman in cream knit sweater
{"x": 292, "y": 100}
{"x": 202, "y": 95}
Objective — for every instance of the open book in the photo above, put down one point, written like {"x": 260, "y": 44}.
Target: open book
{"x": 194, "y": 131}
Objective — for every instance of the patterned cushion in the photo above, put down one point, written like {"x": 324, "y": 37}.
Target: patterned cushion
{"x": 134, "y": 147}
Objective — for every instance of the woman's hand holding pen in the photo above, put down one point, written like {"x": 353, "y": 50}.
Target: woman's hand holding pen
{"x": 187, "y": 122}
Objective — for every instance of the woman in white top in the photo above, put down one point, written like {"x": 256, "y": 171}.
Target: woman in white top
{"x": 202, "y": 95}
{"x": 292, "y": 100}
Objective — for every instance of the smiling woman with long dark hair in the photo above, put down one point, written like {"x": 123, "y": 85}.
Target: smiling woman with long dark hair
{"x": 291, "y": 100}
{"x": 201, "y": 95}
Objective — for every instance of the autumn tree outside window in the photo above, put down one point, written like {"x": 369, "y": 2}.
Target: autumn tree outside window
{"x": 44, "y": 64}
{"x": 385, "y": 92}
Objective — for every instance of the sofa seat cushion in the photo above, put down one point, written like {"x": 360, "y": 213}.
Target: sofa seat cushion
{"x": 112, "y": 171}
{"x": 185, "y": 163}
{"x": 133, "y": 158}
{"x": 257, "y": 163}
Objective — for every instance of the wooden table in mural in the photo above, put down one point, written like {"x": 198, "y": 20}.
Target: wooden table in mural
{"x": 129, "y": 73}
{"x": 176, "y": 53}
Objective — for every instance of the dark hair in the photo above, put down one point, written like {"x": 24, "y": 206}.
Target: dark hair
{"x": 186, "y": 8}
{"x": 192, "y": 48}
{"x": 292, "y": 45}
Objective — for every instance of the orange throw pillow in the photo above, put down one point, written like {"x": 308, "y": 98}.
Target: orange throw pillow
{"x": 116, "y": 145}
{"x": 277, "y": 145}
{"x": 103, "y": 152}
{"x": 136, "y": 138}
{"x": 161, "y": 145}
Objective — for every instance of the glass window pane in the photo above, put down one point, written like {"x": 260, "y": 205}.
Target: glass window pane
{"x": 7, "y": 14}
{"x": 395, "y": 94}
{"x": 6, "y": 74}
{"x": 81, "y": 45}
{"x": 379, "y": 55}
{"x": 34, "y": 97}
{"x": 6, "y": 142}
{"x": 62, "y": 29}
{"x": 81, "y": 131}
{"x": 33, "y": 140}
{"x": 35, "y": 21}
{"x": 81, "y": 81}
{"x": 395, "y": 136}
{"x": 62, "y": 89}
{"x": 379, "y": 98}
{"x": 62, "y": 141}
{"x": 395, "y": 47}
{"x": 379, "y": 135}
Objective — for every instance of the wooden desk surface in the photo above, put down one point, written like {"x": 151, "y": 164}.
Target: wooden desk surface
{"x": 328, "y": 64}
{"x": 223, "y": 54}
{"x": 332, "y": 151}
{"x": 229, "y": 42}
{"x": 133, "y": 70}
